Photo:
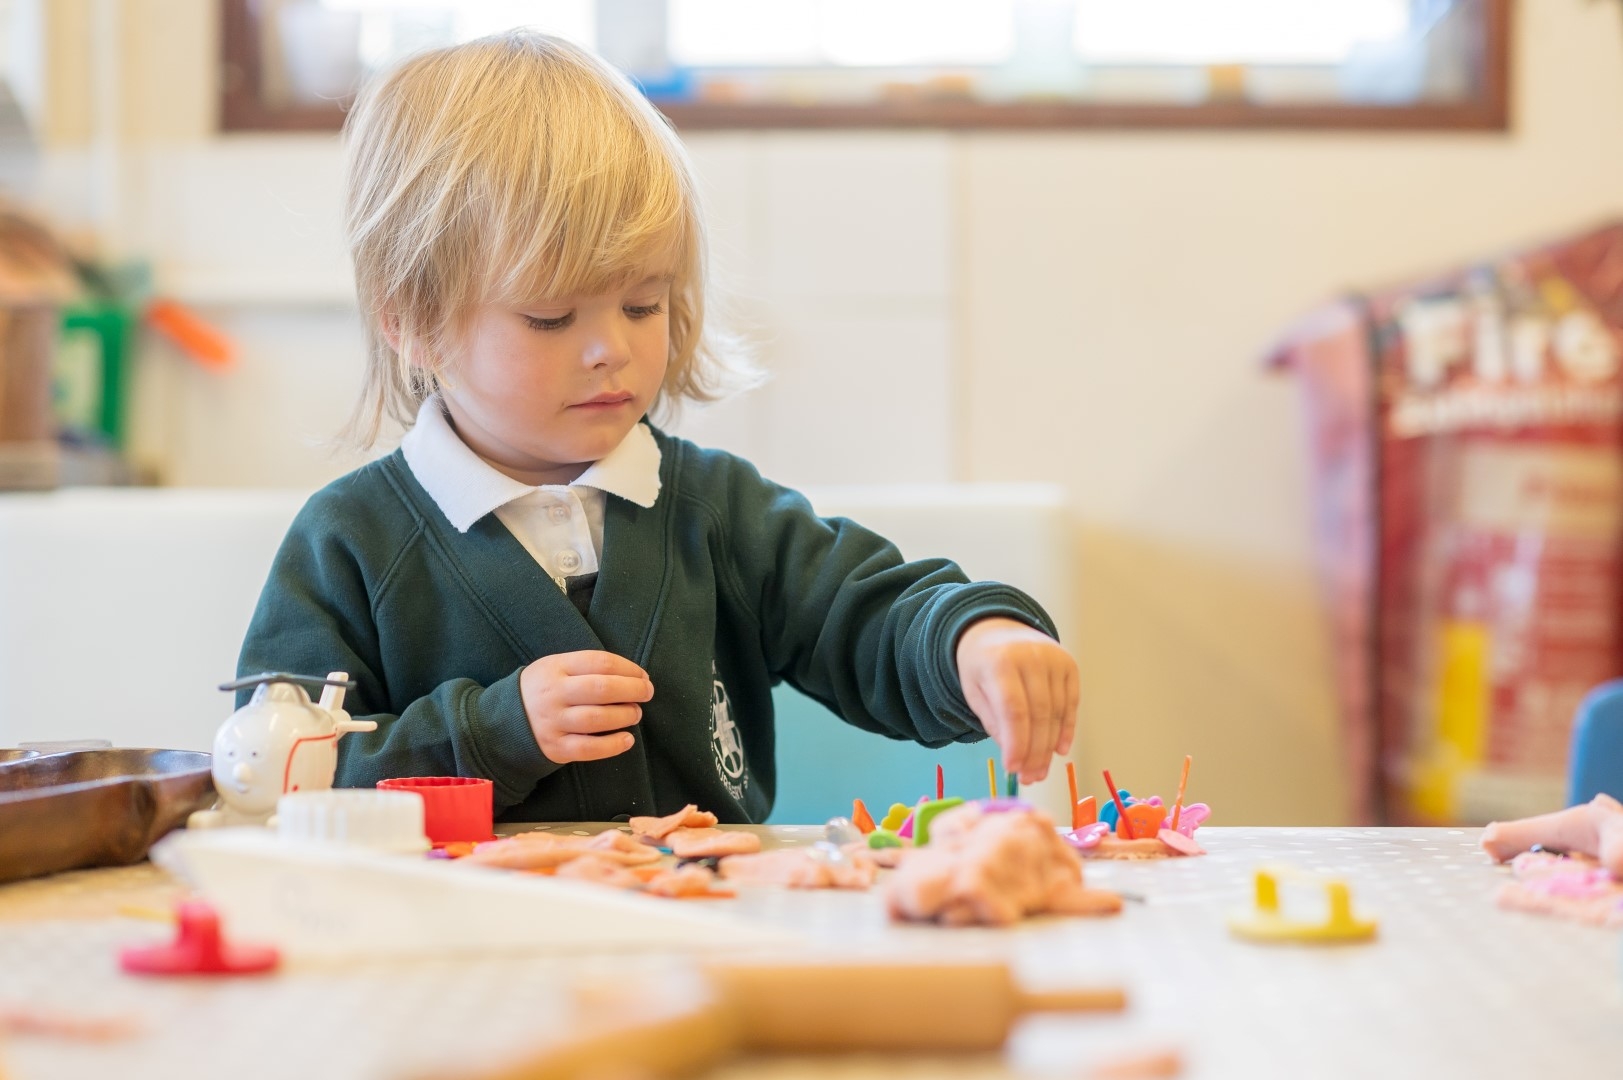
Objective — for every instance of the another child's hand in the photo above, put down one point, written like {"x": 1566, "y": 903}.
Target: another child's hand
{"x": 579, "y": 704}
{"x": 1024, "y": 688}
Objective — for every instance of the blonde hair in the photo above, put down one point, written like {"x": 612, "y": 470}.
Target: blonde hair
{"x": 504, "y": 170}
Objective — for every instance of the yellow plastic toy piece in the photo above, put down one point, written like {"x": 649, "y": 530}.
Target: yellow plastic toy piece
{"x": 1268, "y": 923}
{"x": 893, "y": 820}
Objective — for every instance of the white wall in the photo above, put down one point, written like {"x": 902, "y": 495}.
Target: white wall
{"x": 1079, "y": 308}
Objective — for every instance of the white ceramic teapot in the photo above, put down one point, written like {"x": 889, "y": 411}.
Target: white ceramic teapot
{"x": 279, "y": 742}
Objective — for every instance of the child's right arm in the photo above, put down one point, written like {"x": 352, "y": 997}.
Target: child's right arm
{"x": 449, "y": 699}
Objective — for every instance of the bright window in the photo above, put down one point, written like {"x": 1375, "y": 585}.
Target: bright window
{"x": 1406, "y": 63}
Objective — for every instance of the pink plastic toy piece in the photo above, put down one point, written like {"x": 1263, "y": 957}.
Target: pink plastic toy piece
{"x": 1088, "y": 836}
{"x": 1178, "y": 842}
{"x": 198, "y": 949}
{"x": 1192, "y": 818}
{"x": 906, "y": 829}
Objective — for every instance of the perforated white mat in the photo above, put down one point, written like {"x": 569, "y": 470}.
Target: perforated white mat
{"x": 1451, "y": 987}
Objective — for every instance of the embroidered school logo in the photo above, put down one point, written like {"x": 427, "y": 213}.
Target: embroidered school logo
{"x": 725, "y": 744}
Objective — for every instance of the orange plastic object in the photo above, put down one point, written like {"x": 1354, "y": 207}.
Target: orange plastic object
{"x": 1085, "y": 812}
{"x": 1183, "y": 782}
{"x": 191, "y": 334}
{"x": 198, "y": 949}
{"x": 455, "y": 808}
{"x": 1142, "y": 820}
{"x": 861, "y": 818}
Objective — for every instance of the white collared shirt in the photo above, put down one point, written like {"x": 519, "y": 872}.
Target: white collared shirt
{"x": 560, "y": 525}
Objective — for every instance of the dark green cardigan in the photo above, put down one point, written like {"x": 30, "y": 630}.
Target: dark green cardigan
{"x": 727, "y": 573}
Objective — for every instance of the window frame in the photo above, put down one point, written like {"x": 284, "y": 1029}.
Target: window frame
{"x": 243, "y": 110}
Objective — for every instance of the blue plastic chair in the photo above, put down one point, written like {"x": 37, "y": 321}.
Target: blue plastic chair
{"x": 1597, "y": 745}
{"x": 824, "y": 763}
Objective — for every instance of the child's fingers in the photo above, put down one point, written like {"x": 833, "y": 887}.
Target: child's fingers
{"x": 1063, "y": 719}
{"x": 1007, "y": 698}
{"x": 567, "y": 748}
{"x": 604, "y": 689}
{"x": 596, "y": 719}
{"x": 598, "y": 662}
{"x": 1073, "y": 701}
{"x": 1043, "y": 724}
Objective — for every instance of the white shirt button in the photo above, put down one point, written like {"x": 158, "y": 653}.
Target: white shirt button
{"x": 569, "y": 561}
{"x": 558, "y": 512}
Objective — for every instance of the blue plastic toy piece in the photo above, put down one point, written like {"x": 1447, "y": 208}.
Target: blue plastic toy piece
{"x": 1597, "y": 745}
{"x": 1107, "y": 812}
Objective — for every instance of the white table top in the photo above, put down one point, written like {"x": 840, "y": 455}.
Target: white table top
{"x": 1451, "y": 987}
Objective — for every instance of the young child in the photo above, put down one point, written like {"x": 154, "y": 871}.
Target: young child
{"x": 541, "y": 587}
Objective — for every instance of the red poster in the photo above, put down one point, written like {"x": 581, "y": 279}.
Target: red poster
{"x": 1465, "y": 440}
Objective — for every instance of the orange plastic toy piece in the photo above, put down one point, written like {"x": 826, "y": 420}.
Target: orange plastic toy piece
{"x": 1142, "y": 820}
{"x": 861, "y": 818}
{"x": 202, "y": 342}
{"x": 1085, "y": 812}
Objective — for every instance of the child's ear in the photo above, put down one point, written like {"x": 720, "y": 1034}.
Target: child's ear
{"x": 389, "y": 327}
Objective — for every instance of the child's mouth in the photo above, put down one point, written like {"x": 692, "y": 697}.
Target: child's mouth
{"x": 604, "y": 401}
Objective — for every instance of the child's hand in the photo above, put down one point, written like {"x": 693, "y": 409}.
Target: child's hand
{"x": 1024, "y": 688}
{"x": 572, "y": 699}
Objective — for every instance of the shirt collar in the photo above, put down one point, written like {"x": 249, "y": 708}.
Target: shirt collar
{"x": 466, "y": 487}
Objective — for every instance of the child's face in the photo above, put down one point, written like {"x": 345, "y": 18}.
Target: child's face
{"x": 544, "y": 390}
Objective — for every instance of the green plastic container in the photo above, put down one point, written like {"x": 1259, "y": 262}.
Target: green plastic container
{"x": 92, "y": 370}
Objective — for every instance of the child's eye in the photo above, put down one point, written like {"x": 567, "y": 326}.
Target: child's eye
{"x": 644, "y": 310}
{"x": 536, "y": 323}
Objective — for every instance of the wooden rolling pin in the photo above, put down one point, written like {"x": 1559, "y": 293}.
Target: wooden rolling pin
{"x": 804, "y": 1007}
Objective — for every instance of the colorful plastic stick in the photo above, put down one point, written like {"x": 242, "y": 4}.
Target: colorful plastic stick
{"x": 1011, "y": 785}
{"x": 1121, "y": 811}
{"x": 991, "y": 779}
{"x": 940, "y": 783}
{"x": 1177, "y": 807}
{"x": 1070, "y": 778}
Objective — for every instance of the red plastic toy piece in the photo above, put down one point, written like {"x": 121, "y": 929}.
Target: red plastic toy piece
{"x": 455, "y": 808}
{"x": 198, "y": 949}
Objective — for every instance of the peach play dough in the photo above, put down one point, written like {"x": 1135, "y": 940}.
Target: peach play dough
{"x": 701, "y": 843}
{"x": 795, "y": 868}
{"x": 543, "y": 851}
{"x": 657, "y": 828}
{"x": 992, "y": 869}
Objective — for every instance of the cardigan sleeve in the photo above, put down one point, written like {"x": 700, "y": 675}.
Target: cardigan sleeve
{"x": 315, "y": 615}
{"x": 847, "y": 621}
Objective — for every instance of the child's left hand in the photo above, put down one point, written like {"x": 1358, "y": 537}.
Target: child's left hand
{"x": 1024, "y": 687}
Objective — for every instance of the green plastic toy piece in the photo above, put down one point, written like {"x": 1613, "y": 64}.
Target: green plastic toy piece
{"x": 926, "y": 814}
{"x": 883, "y": 838}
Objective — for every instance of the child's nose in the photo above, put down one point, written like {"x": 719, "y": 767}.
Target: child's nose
{"x": 609, "y": 348}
